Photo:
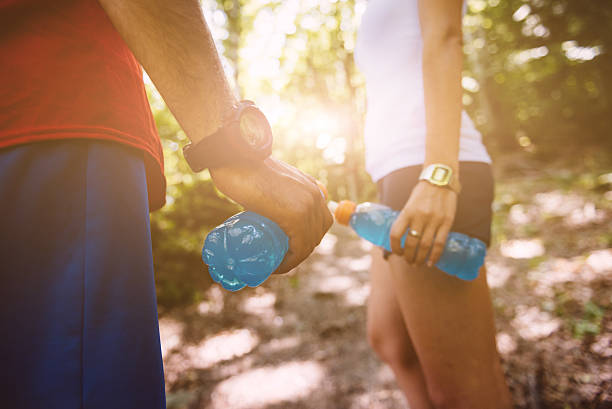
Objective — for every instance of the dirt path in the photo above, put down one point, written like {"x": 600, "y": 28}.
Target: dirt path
{"x": 296, "y": 342}
{"x": 299, "y": 341}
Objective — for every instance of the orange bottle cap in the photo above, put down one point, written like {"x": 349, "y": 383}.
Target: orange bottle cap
{"x": 344, "y": 211}
{"x": 323, "y": 190}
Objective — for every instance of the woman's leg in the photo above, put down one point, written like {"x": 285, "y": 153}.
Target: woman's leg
{"x": 389, "y": 338}
{"x": 452, "y": 330}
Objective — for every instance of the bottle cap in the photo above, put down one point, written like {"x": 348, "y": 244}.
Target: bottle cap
{"x": 343, "y": 211}
{"x": 323, "y": 190}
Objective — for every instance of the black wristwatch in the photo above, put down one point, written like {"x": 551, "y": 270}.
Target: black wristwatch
{"x": 244, "y": 137}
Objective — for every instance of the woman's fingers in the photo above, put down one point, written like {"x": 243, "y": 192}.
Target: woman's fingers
{"x": 397, "y": 232}
{"x": 413, "y": 228}
{"x": 426, "y": 243}
{"x": 426, "y": 217}
{"x": 413, "y": 239}
{"x": 439, "y": 243}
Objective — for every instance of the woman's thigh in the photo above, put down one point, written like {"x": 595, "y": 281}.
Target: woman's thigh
{"x": 387, "y": 332}
{"x": 453, "y": 333}
{"x": 450, "y": 321}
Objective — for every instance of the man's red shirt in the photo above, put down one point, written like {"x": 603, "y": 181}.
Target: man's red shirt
{"x": 66, "y": 73}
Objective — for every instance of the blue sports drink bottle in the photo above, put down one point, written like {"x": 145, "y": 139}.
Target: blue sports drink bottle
{"x": 462, "y": 256}
{"x": 245, "y": 249}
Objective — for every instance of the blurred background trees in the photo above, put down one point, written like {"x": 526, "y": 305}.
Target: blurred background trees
{"x": 537, "y": 82}
{"x": 543, "y": 73}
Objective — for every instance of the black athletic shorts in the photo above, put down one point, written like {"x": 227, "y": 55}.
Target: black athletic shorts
{"x": 473, "y": 216}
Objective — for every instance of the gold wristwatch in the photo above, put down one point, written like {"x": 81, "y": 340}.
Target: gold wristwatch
{"x": 441, "y": 175}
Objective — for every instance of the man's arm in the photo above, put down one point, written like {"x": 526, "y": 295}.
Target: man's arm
{"x": 174, "y": 45}
{"x": 171, "y": 40}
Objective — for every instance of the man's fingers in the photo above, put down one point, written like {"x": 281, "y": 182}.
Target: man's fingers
{"x": 319, "y": 216}
{"x": 298, "y": 251}
{"x": 287, "y": 265}
{"x": 328, "y": 220}
{"x": 290, "y": 261}
{"x": 311, "y": 222}
{"x": 322, "y": 221}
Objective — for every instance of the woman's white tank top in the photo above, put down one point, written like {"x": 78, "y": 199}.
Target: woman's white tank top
{"x": 389, "y": 54}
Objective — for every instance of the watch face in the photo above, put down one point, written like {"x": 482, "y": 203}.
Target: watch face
{"x": 254, "y": 128}
{"x": 440, "y": 175}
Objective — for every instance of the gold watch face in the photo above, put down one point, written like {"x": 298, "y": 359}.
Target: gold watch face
{"x": 441, "y": 175}
{"x": 254, "y": 128}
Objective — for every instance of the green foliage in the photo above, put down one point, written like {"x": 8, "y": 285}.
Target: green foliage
{"x": 590, "y": 324}
{"x": 543, "y": 67}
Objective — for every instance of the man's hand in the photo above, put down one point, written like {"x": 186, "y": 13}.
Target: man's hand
{"x": 283, "y": 194}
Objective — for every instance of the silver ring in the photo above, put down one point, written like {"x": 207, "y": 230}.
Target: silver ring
{"x": 414, "y": 233}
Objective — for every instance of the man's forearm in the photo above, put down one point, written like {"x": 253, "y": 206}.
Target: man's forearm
{"x": 174, "y": 45}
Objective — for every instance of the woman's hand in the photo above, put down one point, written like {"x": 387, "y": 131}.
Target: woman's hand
{"x": 430, "y": 212}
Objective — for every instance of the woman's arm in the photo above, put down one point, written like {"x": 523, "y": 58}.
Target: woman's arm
{"x": 431, "y": 209}
{"x": 442, "y": 64}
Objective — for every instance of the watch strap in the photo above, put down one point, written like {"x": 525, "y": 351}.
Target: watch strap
{"x": 225, "y": 146}
{"x": 210, "y": 152}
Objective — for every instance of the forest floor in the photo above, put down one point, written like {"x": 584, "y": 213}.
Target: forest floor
{"x": 299, "y": 341}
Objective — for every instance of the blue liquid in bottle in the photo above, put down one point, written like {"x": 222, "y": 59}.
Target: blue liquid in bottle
{"x": 462, "y": 256}
{"x": 244, "y": 250}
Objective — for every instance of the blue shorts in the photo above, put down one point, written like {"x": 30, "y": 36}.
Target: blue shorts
{"x": 78, "y": 314}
